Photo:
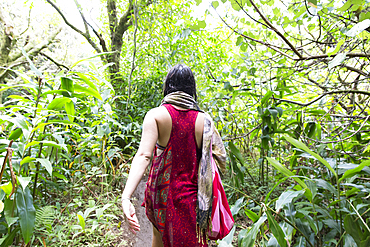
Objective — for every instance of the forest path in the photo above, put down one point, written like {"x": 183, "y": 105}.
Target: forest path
{"x": 144, "y": 237}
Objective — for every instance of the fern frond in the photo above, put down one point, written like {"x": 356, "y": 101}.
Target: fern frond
{"x": 45, "y": 217}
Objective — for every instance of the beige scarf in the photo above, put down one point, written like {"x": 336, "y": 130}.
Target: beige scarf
{"x": 210, "y": 135}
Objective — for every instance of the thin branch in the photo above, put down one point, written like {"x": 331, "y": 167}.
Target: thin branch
{"x": 356, "y": 70}
{"x": 321, "y": 96}
{"x": 55, "y": 62}
{"x": 245, "y": 135}
{"x": 87, "y": 24}
{"x": 82, "y": 16}
{"x": 255, "y": 40}
{"x": 34, "y": 50}
{"x": 275, "y": 30}
{"x": 86, "y": 35}
{"x": 263, "y": 24}
{"x": 349, "y": 55}
{"x": 346, "y": 116}
{"x": 362, "y": 125}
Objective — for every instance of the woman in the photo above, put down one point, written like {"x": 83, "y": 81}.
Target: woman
{"x": 178, "y": 195}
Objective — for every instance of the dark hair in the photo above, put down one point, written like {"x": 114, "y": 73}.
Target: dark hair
{"x": 180, "y": 78}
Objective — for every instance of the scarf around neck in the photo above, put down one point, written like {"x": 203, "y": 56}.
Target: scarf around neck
{"x": 210, "y": 137}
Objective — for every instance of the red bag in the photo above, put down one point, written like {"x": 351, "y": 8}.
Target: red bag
{"x": 222, "y": 219}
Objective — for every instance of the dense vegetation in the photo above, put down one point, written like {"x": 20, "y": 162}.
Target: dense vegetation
{"x": 287, "y": 83}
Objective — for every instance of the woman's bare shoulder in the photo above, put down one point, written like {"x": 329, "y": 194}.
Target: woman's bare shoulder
{"x": 157, "y": 112}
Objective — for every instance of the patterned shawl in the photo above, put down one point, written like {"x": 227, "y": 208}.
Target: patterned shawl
{"x": 210, "y": 136}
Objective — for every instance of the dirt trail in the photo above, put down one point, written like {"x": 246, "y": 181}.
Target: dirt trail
{"x": 144, "y": 237}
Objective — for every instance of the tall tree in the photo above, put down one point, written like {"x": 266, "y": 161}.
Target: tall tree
{"x": 118, "y": 26}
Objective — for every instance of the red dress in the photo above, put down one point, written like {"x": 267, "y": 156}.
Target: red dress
{"x": 171, "y": 190}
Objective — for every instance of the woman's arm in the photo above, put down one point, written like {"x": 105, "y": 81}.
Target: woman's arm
{"x": 139, "y": 164}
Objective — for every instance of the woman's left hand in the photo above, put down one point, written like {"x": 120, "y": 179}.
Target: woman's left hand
{"x": 129, "y": 212}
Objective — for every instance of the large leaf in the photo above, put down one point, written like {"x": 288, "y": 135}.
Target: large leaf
{"x": 46, "y": 163}
{"x": 358, "y": 28}
{"x": 287, "y": 197}
{"x": 354, "y": 171}
{"x": 54, "y": 144}
{"x": 349, "y": 241}
{"x": 7, "y": 188}
{"x": 70, "y": 109}
{"x": 325, "y": 185}
{"x": 15, "y": 134}
{"x": 251, "y": 215}
{"x": 227, "y": 241}
{"x": 250, "y": 237}
{"x": 24, "y": 181}
{"x": 238, "y": 204}
{"x": 266, "y": 97}
{"x": 67, "y": 84}
{"x": 288, "y": 173}
{"x": 303, "y": 147}
{"x": 58, "y": 103}
{"x": 338, "y": 59}
{"x": 88, "y": 91}
{"x": 26, "y": 213}
{"x": 18, "y": 121}
{"x": 276, "y": 230}
{"x": 353, "y": 228}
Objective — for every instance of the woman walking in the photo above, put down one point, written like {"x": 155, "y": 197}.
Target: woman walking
{"x": 178, "y": 195}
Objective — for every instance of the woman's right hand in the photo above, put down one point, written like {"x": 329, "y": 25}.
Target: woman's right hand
{"x": 129, "y": 212}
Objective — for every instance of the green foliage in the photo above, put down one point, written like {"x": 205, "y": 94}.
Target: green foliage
{"x": 55, "y": 127}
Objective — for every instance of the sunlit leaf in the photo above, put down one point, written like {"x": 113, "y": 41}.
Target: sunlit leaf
{"x": 288, "y": 173}
{"x": 337, "y": 48}
{"x": 358, "y": 28}
{"x": 67, "y": 84}
{"x": 46, "y": 163}
{"x": 58, "y": 103}
{"x": 287, "y": 197}
{"x": 15, "y": 134}
{"x": 24, "y": 181}
{"x": 250, "y": 237}
{"x": 88, "y": 91}
{"x": 337, "y": 60}
{"x": 70, "y": 109}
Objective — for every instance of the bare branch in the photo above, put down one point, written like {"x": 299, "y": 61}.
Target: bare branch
{"x": 255, "y": 40}
{"x": 82, "y": 16}
{"x": 357, "y": 131}
{"x": 350, "y": 55}
{"x": 356, "y": 70}
{"x": 86, "y": 35}
{"x": 55, "y": 62}
{"x": 321, "y": 96}
{"x": 275, "y": 30}
{"x": 34, "y": 50}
